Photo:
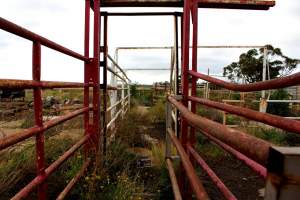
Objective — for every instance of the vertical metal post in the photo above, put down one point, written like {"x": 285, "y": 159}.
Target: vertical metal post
{"x": 168, "y": 125}
{"x": 206, "y": 95}
{"x": 123, "y": 96}
{"x": 185, "y": 87}
{"x": 172, "y": 62}
{"x": 283, "y": 174}
{"x": 38, "y": 109}
{"x": 264, "y": 75}
{"x": 192, "y": 138}
{"x": 87, "y": 74}
{"x": 96, "y": 77}
{"x": 177, "y": 90}
{"x": 105, "y": 84}
{"x": 263, "y": 101}
{"x": 176, "y": 54}
{"x": 128, "y": 93}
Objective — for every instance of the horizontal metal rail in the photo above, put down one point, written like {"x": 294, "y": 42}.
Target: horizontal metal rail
{"x": 28, "y": 84}
{"x": 175, "y": 187}
{"x": 20, "y": 136}
{"x": 239, "y": 140}
{"x": 24, "y": 33}
{"x": 282, "y": 82}
{"x": 114, "y": 119}
{"x": 74, "y": 180}
{"x": 117, "y": 65}
{"x": 116, "y": 74}
{"x": 217, "y": 181}
{"x": 146, "y": 69}
{"x": 257, "y": 168}
{"x": 141, "y": 14}
{"x": 203, "y": 46}
{"x": 114, "y": 105}
{"x": 56, "y": 164}
{"x": 189, "y": 169}
{"x": 273, "y": 120}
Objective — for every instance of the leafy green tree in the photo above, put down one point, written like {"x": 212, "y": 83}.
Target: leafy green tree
{"x": 250, "y": 65}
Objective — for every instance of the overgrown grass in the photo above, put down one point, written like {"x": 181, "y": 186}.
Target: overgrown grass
{"x": 17, "y": 166}
{"x": 275, "y": 136}
{"x": 120, "y": 177}
{"x": 157, "y": 113}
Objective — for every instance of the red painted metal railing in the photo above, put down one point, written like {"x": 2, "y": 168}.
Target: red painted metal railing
{"x": 90, "y": 140}
{"x": 252, "y": 151}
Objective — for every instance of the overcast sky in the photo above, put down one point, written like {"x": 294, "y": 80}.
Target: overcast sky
{"x": 62, "y": 22}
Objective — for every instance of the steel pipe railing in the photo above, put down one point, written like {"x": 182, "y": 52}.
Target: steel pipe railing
{"x": 24, "y": 33}
{"x": 175, "y": 187}
{"x": 273, "y": 120}
{"x": 114, "y": 119}
{"x": 240, "y": 141}
{"x": 28, "y": 84}
{"x": 189, "y": 169}
{"x": 283, "y": 82}
{"x": 74, "y": 180}
{"x": 257, "y": 168}
{"x": 114, "y": 105}
{"x": 56, "y": 164}
{"x": 217, "y": 181}
{"x": 20, "y": 136}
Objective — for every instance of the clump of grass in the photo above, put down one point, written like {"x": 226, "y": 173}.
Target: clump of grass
{"x": 158, "y": 155}
{"x": 157, "y": 112}
{"x": 121, "y": 187}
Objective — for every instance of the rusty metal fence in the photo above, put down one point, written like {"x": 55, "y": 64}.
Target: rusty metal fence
{"x": 94, "y": 138}
{"x": 277, "y": 165}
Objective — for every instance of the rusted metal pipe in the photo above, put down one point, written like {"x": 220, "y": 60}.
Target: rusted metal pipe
{"x": 38, "y": 118}
{"x": 74, "y": 180}
{"x": 255, "y": 148}
{"x": 95, "y": 73}
{"x": 189, "y": 169}
{"x": 87, "y": 75}
{"x": 257, "y": 168}
{"x": 283, "y": 82}
{"x": 22, "y": 194}
{"x": 24, "y": 33}
{"x": 273, "y": 120}
{"x": 218, "y": 182}
{"x": 20, "y": 136}
{"x": 175, "y": 187}
{"x": 28, "y": 84}
{"x": 185, "y": 64}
